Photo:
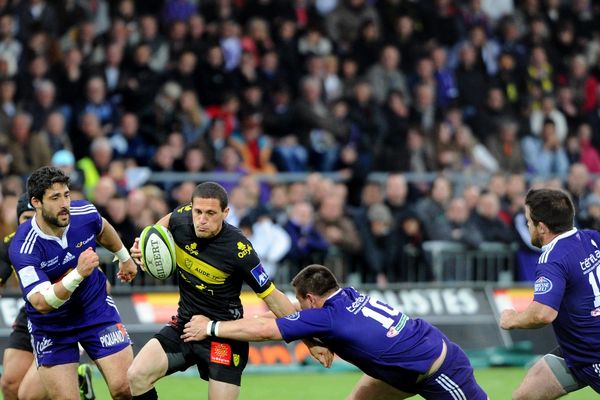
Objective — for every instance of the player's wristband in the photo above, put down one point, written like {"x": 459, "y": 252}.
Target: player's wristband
{"x": 123, "y": 255}
{"x": 72, "y": 280}
{"x": 215, "y": 329}
{"x": 51, "y": 297}
{"x": 209, "y": 328}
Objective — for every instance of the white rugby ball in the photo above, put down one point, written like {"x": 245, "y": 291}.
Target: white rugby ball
{"x": 158, "y": 251}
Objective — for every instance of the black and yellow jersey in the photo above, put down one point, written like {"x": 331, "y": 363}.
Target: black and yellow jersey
{"x": 6, "y": 268}
{"x": 211, "y": 271}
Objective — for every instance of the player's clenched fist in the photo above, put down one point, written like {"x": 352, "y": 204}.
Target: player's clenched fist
{"x": 87, "y": 262}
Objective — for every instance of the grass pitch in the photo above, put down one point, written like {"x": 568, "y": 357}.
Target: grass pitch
{"x": 497, "y": 382}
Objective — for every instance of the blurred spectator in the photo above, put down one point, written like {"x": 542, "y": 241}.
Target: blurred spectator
{"x": 191, "y": 119}
{"x": 68, "y": 76}
{"x": 341, "y": 234}
{"x": 29, "y": 149}
{"x": 177, "y": 10}
{"x": 432, "y": 209}
{"x": 457, "y": 226}
{"x": 492, "y": 114}
{"x": 230, "y": 161}
{"x": 159, "y": 49}
{"x": 142, "y": 83}
{"x": 116, "y": 214}
{"x": 97, "y": 103}
{"x": 506, "y": 149}
{"x": 43, "y": 103}
{"x": 8, "y": 106}
{"x": 271, "y": 242}
{"x": 577, "y": 184}
{"x": 589, "y": 217}
{"x": 65, "y": 161}
{"x": 37, "y": 70}
{"x": 587, "y": 153}
{"x": 385, "y": 76}
{"x": 548, "y": 110}
{"x": 380, "y": 257}
{"x": 55, "y": 133}
{"x": 368, "y": 44}
{"x": 583, "y": 84}
{"x": 394, "y": 136}
{"x": 488, "y": 222}
{"x": 540, "y": 76}
{"x": 9, "y": 46}
{"x": 36, "y": 14}
{"x": 253, "y": 145}
{"x": 471, "y": 82}
{"x": 308, "y": 245}
{"x": 545, "y": 155}
{"x": 343, "y": 23}
{"x": 128, "y": 143}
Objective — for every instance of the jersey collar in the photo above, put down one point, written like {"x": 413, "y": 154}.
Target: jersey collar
{"x": 62, "y": 241}
{"x": 556, "y": 239}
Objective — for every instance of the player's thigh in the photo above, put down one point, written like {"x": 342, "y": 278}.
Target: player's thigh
{"x": 32, "y": 387}
{"x": 60, "y": 381}
{"x": 114, "y": 369}
{"x": 368, "y": 388}
{"x": 150, "y": 364}
{"x": 540, "y": 383}
{"x": 15, "y": 365}
{"x": 218, "y": 390}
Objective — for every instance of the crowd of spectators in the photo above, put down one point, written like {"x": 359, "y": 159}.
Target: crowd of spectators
{"x": 112, "y": 89}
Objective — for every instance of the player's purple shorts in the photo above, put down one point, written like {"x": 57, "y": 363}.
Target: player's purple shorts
{"x": 590, "y": 375}
{"x": 454, "y": 380}
{"x": 101, "y": 340}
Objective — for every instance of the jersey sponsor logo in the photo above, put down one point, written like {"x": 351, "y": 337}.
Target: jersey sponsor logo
{"x": 591, "y": 261}
{"x": 260, "y": 275}
{"x": 187, "y": 207}
{"x": 192, "y": 248}
{"x": 293, "y": 317}
{"x": 113, "y": 335}
{"x": 595, "y": 312}
{"x": 42, "y": 345}
{"x": 358, "y": 303}
{"x": 200, "y": 269}
{"x": 220, "y": 353}
{"x": 28, "y": 275}
{"x": 244, "y": 249}
{"x": 50, "y": 263}
{"x": 68, "y": 258}
{"x": 542, "y": 285}
{"x": 84, "y": 242}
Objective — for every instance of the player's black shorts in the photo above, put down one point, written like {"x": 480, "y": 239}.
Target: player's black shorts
{"x": 219, "y": 359}
{"x": 19, "y": 337}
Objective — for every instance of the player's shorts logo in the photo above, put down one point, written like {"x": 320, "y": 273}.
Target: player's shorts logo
{"x": 113, "y": 335}
{"x": 236, "y": 359}
{"x": 220, "y": 353}
{"x": 542, "y": 285}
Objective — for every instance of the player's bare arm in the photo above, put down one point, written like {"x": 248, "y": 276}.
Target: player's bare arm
{"x": 110, "y": 240}
{"x": 536, "y": 315}
{"x": 51, "y": 297}
{"x": 247, "y": 329}
{"x": 136, "y": 252}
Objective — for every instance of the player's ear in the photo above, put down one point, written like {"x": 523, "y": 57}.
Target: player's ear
{"x": 35, "y": 202}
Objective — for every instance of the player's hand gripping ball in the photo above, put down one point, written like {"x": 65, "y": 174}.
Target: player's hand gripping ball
{"x": 158, "y": 251}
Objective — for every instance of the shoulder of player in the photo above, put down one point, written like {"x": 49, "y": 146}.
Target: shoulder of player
{"x": 235, "y": 243}
{"x": 82, "y": 207}
{"x": 24, "y": 240}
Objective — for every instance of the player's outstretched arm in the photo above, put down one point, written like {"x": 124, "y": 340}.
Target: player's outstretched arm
{"x": 536, "y": 315}
{"x": 247, "y": 329}
{"x": 110, "y": 240}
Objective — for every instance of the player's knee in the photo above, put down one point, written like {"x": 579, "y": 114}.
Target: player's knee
{"x": 10, "y": 386}
{"x": 137, "y": 376}
{"x": 121, "y": 391}
{"x": 520, "y": 394}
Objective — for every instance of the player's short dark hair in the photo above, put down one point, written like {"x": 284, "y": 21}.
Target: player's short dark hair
{"x": 42, "y": 179}
{"x": 553, "y": 207}
{"x": 211, "y": 190}
{"x": 315, "y": 279}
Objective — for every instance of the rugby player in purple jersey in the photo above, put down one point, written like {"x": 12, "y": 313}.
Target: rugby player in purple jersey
{"x": 566, "y": 295}
{"x": 400, "y": 356}
{"x": 65, "y": 293}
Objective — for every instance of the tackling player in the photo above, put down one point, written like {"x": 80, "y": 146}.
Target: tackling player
{"x": 566, "y": 294}
{"x": 400, "y": 356}
{"x": 213, "y": 260}
{"x": 65, "y": 293}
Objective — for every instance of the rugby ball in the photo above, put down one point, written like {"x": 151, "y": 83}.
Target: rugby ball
{"x": 158, "y": 251}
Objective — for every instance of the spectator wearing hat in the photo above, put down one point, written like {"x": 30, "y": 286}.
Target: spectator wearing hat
{"x": 65, "y": 160}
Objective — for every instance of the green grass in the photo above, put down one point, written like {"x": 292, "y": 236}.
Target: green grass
{"x": 497, "y": 382}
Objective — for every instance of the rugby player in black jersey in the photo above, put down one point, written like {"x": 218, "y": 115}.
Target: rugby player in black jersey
{"x": 213, "y": 258}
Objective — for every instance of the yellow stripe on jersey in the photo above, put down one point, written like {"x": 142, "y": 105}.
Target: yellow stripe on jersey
{"x": 199, "y": 268}
{"x": 267, "y": 292}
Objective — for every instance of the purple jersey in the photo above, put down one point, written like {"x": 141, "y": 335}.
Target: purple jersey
{"x": 38, "y": 258}
{"x": 380, "y": 340}
{"x": 568, "y": 280}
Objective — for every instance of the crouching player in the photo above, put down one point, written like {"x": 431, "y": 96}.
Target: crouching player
{"x": 400, "y": 356}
